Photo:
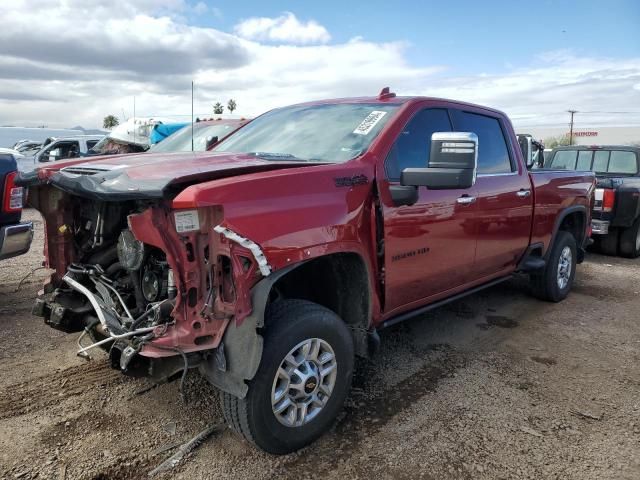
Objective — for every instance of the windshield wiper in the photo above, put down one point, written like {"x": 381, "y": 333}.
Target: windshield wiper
{"x": 276, "y": 156}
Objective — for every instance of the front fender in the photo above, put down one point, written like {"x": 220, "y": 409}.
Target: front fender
{"x": 242, "y": 342}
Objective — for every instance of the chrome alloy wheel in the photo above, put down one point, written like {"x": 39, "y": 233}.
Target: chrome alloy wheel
{"x": 304, "y": 382}
{"x": 565, "y": 264}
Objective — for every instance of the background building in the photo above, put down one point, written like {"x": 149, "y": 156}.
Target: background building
{"x": 596, "y": 135}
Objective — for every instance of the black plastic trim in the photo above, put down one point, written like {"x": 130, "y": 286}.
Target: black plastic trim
{"x": 525, "y": 264}
{"x": 559, "y": 219}
{"x": 407, "y": 315}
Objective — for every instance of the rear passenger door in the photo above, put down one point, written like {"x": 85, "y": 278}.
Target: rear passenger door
{"x": 504, "y": 196}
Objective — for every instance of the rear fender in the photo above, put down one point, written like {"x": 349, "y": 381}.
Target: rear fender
{"x": 562, "y": 216}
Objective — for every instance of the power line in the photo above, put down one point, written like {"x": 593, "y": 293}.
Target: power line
{"x": 621, "y": 113}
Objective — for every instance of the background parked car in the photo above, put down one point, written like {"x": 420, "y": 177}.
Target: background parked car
{"x": 15, "y": 236}
{"x": 55, "y": 149}
{"x": 205, "y": 135}
{"x": 616, "y": 213}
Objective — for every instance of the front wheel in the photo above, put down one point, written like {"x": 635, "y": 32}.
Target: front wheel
{"x": 302, "y": 382}
{"x": 556, "y": 280}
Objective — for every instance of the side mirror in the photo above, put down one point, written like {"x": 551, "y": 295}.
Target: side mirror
{"x": 453, "y": 163}
{"x": 528, "y": 149}
{"x": 211, "y": 141}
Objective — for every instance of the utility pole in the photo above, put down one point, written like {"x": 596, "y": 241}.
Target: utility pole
{"x": 572, "y": 112}
{"x": 192, "y": 115}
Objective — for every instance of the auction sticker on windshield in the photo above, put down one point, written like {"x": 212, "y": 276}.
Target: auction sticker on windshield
{"x": 187, "y": 221}
{"x": 368, "y": 123}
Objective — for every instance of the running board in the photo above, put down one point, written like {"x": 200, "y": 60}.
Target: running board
{"x": 407, "y": 315}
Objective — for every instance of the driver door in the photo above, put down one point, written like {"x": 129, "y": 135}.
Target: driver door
{"x": 430, "y": 245}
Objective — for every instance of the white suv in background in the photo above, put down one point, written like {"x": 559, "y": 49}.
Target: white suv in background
{"x": 65, "y": 148}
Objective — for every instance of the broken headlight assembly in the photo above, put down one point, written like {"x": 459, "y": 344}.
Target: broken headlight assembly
{"x": 131, "y": 251}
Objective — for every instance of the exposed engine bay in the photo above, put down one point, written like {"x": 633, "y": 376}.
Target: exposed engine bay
{"x": 163, "y": 285}
{"x": 153, "y": 286}
{"x": 116, "y": 289}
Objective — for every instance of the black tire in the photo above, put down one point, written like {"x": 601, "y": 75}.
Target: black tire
{"x": 609, "y": 243}
{"x": 630, "y": 241}
{"x": 545, "y": 285}
{"x": 288, "y": 323}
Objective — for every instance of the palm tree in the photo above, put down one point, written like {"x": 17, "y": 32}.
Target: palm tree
{"x": 110, "y": 121}
{"x": 231, "y": 105}
{"x": 218, "y": 108}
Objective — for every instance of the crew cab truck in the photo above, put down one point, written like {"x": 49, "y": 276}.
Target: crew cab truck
{"x": 270, "y": 262}
{"x": 15, "y": 236}
{"x": 616, "y": 212}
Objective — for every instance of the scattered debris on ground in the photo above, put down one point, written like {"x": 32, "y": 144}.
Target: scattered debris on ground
{"x": 498, "y": 385}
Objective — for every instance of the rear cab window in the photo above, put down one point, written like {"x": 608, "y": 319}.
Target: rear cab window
{"x": 621, "y": 161}
{"x": 610, "y": 161}
{"x": 564, "y": 160}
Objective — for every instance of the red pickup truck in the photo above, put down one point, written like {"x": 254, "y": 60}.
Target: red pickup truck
{"x": 269, "y": 263}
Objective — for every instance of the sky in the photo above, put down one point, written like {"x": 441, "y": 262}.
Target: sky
{"x": 71, "y": 62}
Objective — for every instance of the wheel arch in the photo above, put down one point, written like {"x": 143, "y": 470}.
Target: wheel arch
{"x": 573, "y": 220}
{"x": 243, "y": 342}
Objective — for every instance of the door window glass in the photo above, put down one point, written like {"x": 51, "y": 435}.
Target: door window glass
{"x": 413, "y": 146}
{"x": 493, "y": 155}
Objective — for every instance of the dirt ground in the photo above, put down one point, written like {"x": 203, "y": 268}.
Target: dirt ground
{"x": 498, "y": 385}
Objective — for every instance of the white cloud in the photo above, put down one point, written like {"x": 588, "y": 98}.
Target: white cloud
{"x": 285, "y": 28}
{"x": 89, "y": 58}
{"x": 561, "y": 80}
{"x": 128, "y": 38}
{"x": 200, "y": 8}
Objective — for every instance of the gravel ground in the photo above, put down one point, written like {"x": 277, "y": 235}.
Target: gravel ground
{"x": 498, "y": 385}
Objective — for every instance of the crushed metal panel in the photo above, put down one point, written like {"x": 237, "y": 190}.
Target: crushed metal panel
{"x": 255, "y": 249}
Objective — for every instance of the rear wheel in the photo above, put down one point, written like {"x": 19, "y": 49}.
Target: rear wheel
{"x": 555, "y": 281}
{"x": 302, "y": 382}
{"x": 609, "y": 243}
{"x": 630, "y": 241}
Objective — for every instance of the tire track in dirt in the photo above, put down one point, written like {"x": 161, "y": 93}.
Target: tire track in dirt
{"x": 367, "y": 411}
{"x": 42, "y": 392}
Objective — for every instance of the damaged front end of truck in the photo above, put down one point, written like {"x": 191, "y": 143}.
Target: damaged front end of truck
{"x": 161, "y": 290}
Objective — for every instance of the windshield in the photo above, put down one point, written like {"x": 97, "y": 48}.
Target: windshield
{"x": 621, "y": 162}
{"x": 331, "y": 133}
{"x": 180, "y": 141}
{"x": 100, "y": 146}
{"x": 110, "y": 146}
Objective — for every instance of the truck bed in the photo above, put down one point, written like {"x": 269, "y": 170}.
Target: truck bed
{"x": 555, "y": 191}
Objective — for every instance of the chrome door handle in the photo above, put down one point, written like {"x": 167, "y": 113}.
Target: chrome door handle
{"x": 466, "y": 200}
{"x": 523, "y": 193}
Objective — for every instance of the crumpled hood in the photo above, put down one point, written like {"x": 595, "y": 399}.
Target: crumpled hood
{"x": 148, "y": 175}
